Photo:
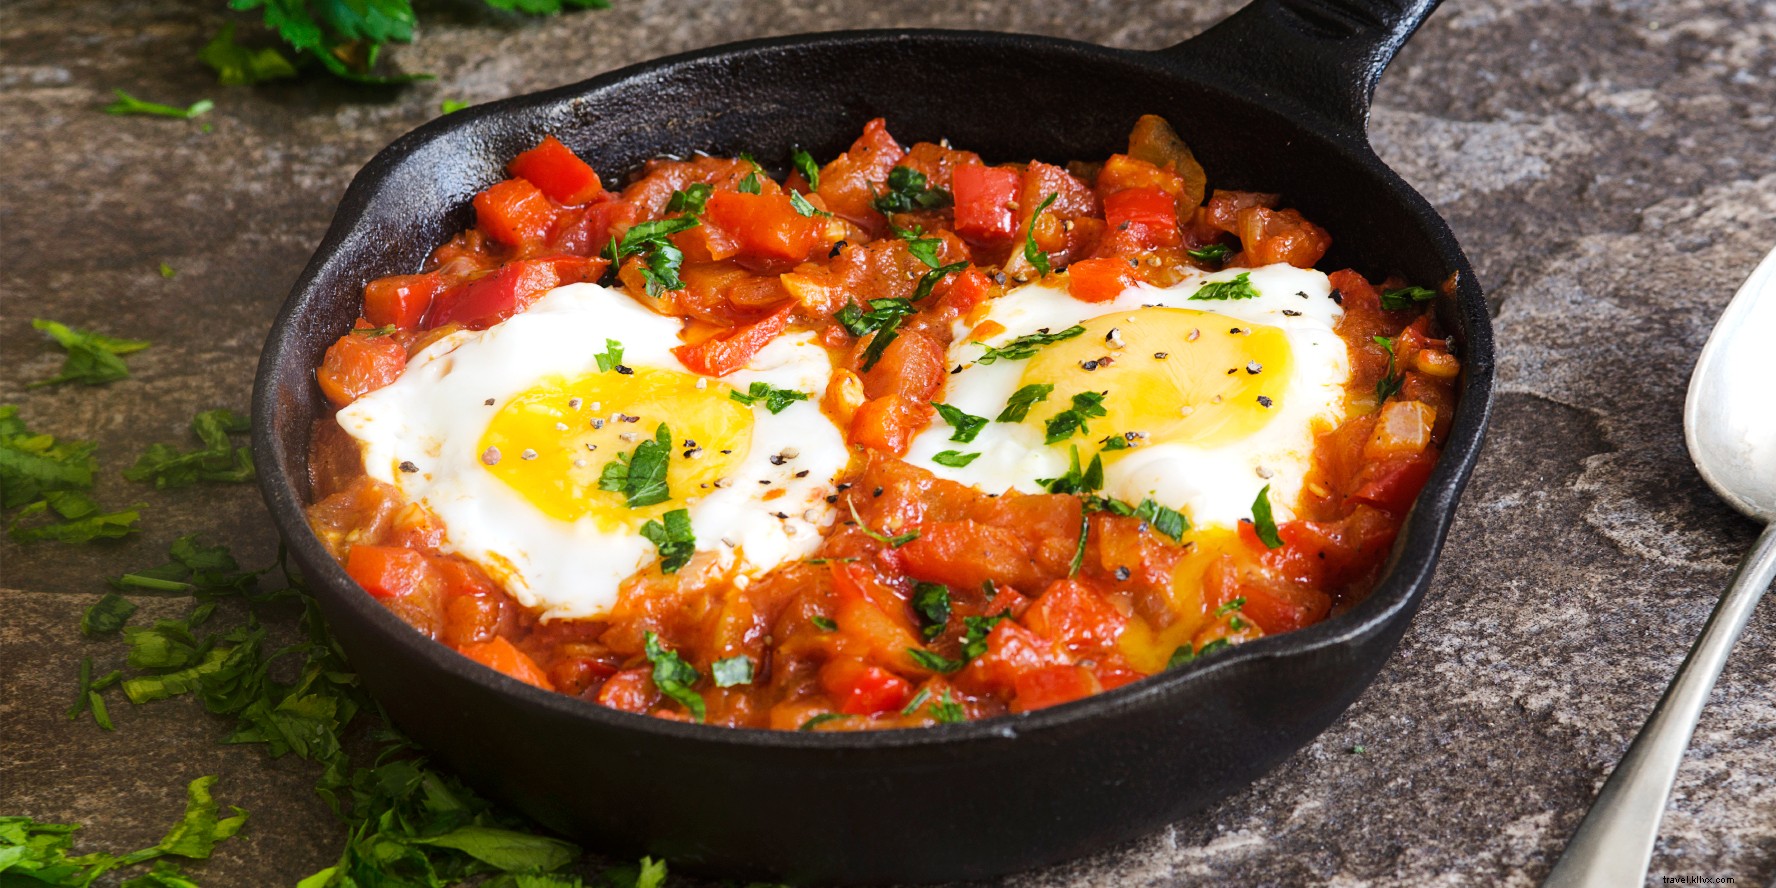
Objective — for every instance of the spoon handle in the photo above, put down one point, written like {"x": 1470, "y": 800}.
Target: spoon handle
{"x": 1614, "y": 844}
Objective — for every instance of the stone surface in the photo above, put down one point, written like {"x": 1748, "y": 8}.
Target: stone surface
{"x": 1610, "y": 167}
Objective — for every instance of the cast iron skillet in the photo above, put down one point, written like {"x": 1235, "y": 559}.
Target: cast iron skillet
{"x": 1274, "y": 99}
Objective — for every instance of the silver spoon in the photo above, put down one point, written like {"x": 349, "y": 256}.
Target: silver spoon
{"x": 1730, "y": 427}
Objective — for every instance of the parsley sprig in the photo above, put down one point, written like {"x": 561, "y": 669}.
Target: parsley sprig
{"x": 674, "y": 677}
{"x": 1238, "y": 288}
{"x": 1390, "y": 382}
{"x": 640, "y": 476}
{"x": 674, "y": 539}
{"x": 1062, "y": 425}
{"x": 909, "y": 190}
{"x": 1033, "y": 253}
{"x": 882, "y": 320}
{"x": 218, "y": 459}
{"x": 92, "y": 359}
{"x": 661, "y": 259}
{"x": 1026, "y": 346}
{"x": 1263, "y": 522}
{"x": 775, "y": 400}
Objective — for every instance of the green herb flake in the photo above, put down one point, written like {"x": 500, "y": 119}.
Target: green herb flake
{"x": 691, "y": 200}
{"x": 1183, "y": 655}
{"x": 802, "y": 207}
{"x": 661, "y": 260}
{"x": 1215, "y": 253}
{"x": 931, "y": 601}
{"x": 1077, "y": 480}
{"x": 674, "y": 539}
{"x": 976, "y": 630}
{"x": 611, "y": 358}
{"x": 70, "y": 516}
{"x": 1061, "y": 426}
{"x": 673, "y": 676}
{"x": 1033, "y": 253}
{"x": 893, "y": 542}
{"x": 640, "y": 476}
{"x": 127, "y": 104}
{"x": 966, "y": 425}
{"x": 775, "y": 400}
{"x": 804, "y": 164}
{"x": 1026, "y": 346}
{"x": 236, "y": 65}
{"x": 934, "y": 662}
{"x": 824, "y": 624}
{"x": 907, "y": 190}
{"x": 92, "y": 359}
{"x": 1406, "y": 297}
{"x": 218, "y": 460}
{"x": 735, "y": 670}
{"x": 821, "y": 719}
{"x": 1263, "y": 522}
{"x": 1164, "y": 519}
{"x": 1017, "y": 408}
{"x": 947, "y": 711}
{"x": 167, "y": 271}
{"x": 1238, "y": 288}
{"x": 1390, "y": 382}
{"x": 955, "y": 459}
{"x": 1231, "y": 606}
{"x": 107, "y": 615}
{"x": 451, "y": 106}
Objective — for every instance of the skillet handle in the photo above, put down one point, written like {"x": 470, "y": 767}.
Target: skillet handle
{"x": 1325, "y": 54}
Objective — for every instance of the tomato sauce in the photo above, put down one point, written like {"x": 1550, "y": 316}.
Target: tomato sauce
{"x": 933, "y": 601}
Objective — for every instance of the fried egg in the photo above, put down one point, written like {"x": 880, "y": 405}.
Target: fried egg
{"x": 505, "y": 433}
{"x": 1205, "y": 392}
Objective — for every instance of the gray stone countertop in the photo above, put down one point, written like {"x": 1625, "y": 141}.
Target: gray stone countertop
{"x": 1609, "y": 166}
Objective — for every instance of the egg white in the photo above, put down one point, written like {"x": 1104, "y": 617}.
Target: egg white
{"x": 1212, "y": 485}
{"x": 434, "y": 415}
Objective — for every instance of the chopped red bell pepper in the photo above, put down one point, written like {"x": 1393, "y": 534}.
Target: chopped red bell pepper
{"x": 401, "y": 300}
{"x": 514, "y": 212}
{"x": 1100, "y": 280}
{"x": 862, "y": 689}
{"x": 558, "y": 172}
{"x": 387, "y": 571}
{"x": 1150, "y": 211}
{"x": 984, "y": 197}
{"x": 489, "y": 300}
{"x": 498, "y": 653}
{"x": 763, "y": 226}
{"x": 730, "y": 351}
{"x": 358, "y": 364}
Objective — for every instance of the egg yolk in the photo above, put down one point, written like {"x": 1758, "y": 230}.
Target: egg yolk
{"x": 1168, "y": 375}
{"x": 552, "y": 442}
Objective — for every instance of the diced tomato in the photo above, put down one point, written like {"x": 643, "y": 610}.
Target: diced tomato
{"x": 730, "y": 351}
{"x": 631, "y": 690}
{"x": 1274, "y": 605}
{"x": 358, "y": 364}
{"x": 401, "y": 299}
{"x": 1270, "y": 236}
{"x": 912, "y": 366}
{"x": 588, "y": 230}
{"x": 862, "y": 689}
{"x": 513, "y": 212}
{"x": 1011, "y": 651}
{"x": 1394, "y": 484}
{"x": 764, "y": 226}
{"x": 1052, "y": 686}
{"x": 1148, "y": 211}
{"x": 966, "y": 554}
{"x": 558, "y": 172}
{"x": 966, "y": 290}
{"x": 491, "y": 299}
{"x": 849, "y": 183}
{"x": 499, "y": 654}
{"x": 387, "y": 571}
{"x": 1073, "y": 616}
{"x": 1100, "y": 280}
{"x": 889, "y": 423}
{"x": 985, "y": 197}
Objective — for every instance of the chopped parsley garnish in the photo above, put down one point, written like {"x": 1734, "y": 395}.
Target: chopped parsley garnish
{"x": 641, "y": 476}
{"x": 966, "y": 425}
{"x": 1025, "y": 346}
{"x": 1262, "y": 520}
{"x": 909, "y": 190}
{"x": 1164, "y": 519}
{"x": 955, "y": 459}
{"x": 803, "y": 207}
{"x": 451, "y": 106}
{"x": 735, "y": 670}
{"x": 1079, "y": 549}
{"x": 204, "y": 571}
{"x": 92, "y": 359}
{"x": 673, "y": 676}
{"x": 935, "y": 662}
{"x": 612, "y": 356}
{"x": 1032, "y": 252}
{"x": 1062, "y": 425}
{"x": 975, "y": 632}
{"x": 893, "y": 542}
{"x": 750, "y": 184}
{"x": 1390, "y": 382}
{"x": 690, "y": 201}
{"x": 1076, "y": 481}
{"x": 1231, "y": 606}
{"x": 932, "y": 603}
{"x": 804, "y": 164}
{"x": 923, "y": 248}
{"x": 1183, "y": 655}
{"x": 947, "y": 711}
{"x": 107, "y": 615}
{"x": 128, "y": 104}
{"x": 660, "y": 259}
{"x": 824, "y": 624}
{"x": 1213, "y": 646}
{"x": 217, "y": 460}
{"x": 88, "y": 699}
{"x": 1406, "y": 297}
{"x": 46, "y": 479}
{"x": 236, "y": 65}
{"x": 883, "y": 319}
{"x": 73, "y": 517}
{"x": 1238, "y": 288}
{"x": 1017, "y": 407}
{"x": 821, "y": 719}
{"x": 776, "y": 400}
{"x": 1216, "y": 253}
{"x": 167, "y": 271}
{"x": 674, "y": 539}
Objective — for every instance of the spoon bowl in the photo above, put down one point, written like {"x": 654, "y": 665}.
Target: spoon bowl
{"x": 1730, "y": 429}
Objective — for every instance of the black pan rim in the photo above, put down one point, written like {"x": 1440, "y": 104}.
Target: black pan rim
{"x": 1404, "y": 582}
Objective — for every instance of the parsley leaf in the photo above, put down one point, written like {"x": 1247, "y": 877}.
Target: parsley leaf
{"x": 1079, "y": 549}
{"x": 935, "y": 662}
{"x": 127, "y": 104}
{"x": 236, "y": 65}
{"x": 1262, "y": 520}
{"x": 1231, "y": 606}
{"x": 750, "y": 184}
{"x": 1406, "y": 297}
{"x": 1164, "y": 519}
{"x": 641, "y": 476}
{"x": 167, "y": 271}
{"x": 197, "y": 833}
{"x": 92, "y": 359}
{"x": 1062, "y": 425}
{"x": 931, "y": 601}
{"x": 1390, "y": 382}
{"x": 32, "y": 464}
{"x": 955, "y": 459}
{"x": 73, "y": 517}
{"x": 825, "y": 624}
{"x": 804, "y": 164}
{"x": 909, "y": 190}
{"x": 107, "y": 615}
{"x": 1182, "y": 656}
{"x": 966, "y": 425}
{"x": 893, "y": 542}
{"x": 217, "y": 460}
{"x": 674, "y": 539}
{"x": 505, "y": 849}
{"x": 802, "y": 207}
{"x": 660, "y": 258}
{"x": 883, "y": 319}
{"x": 930, "y": 278}
{"x": 735, "y": 670}
{"x": 976, "y": 630}
{"x": 690, "y": 201}
{"x": 1216, "y": 253}
{"x": 1076, "y": 481}
{"x": 776, "y": 400}
{"x": 1032, "y": 253}
{"x": 205, "y": 571}
{"x": 821, "y": 719}
{"x": 1025, "y": 346}
{"x": 947, "y": 711}
{"x": 451, "y": 106}
{"x": 1238, "y": 288}
{"x": 673, "y": 676}
{"x": 1018, "y": 406}
{"x": 611, "y": 358}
